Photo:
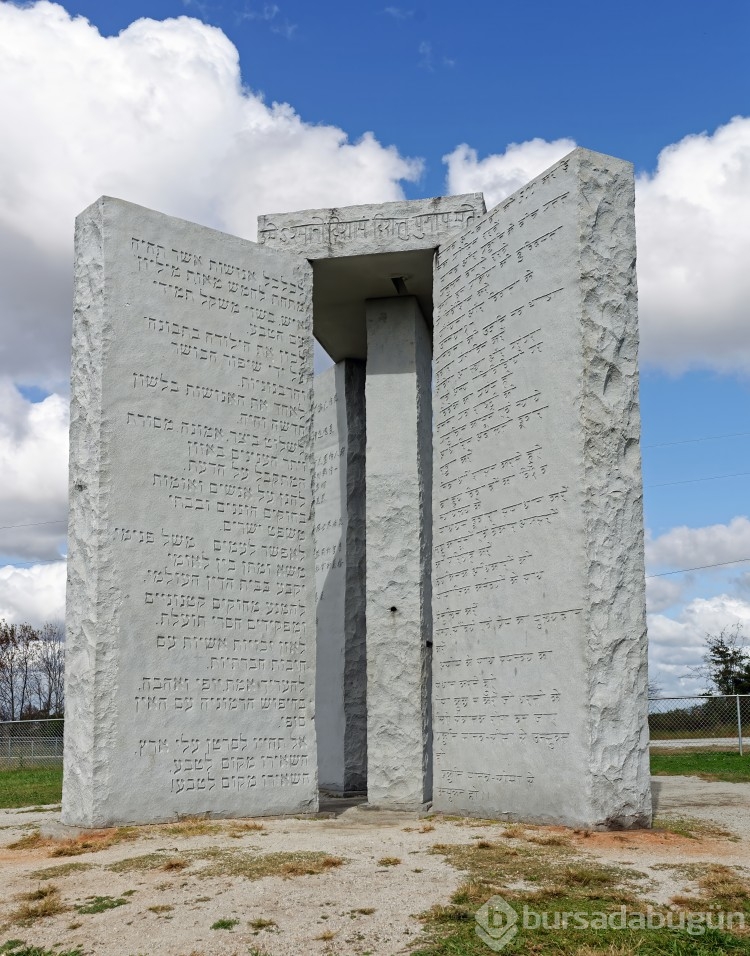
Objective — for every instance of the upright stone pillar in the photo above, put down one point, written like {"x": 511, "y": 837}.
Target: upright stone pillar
{"x": 399, "y": 518}
{"x": 540, "y": 626}
{"x": 190, "y": 658}
{"x": 339, "y": 494}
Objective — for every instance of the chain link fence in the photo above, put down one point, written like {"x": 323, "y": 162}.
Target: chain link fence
{"x": 31, "y": 743}
{"x": 700, "y": 722}
{"x": 705, "y": 723}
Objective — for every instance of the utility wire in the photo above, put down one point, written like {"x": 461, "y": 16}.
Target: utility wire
{"x": 701, "y": 567}
{"x": 688, "y": 441}
{"x": 32, "y": 524}
{"x": 691, "y": 481}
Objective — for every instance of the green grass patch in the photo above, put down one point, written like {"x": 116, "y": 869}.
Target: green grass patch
{"x": 709, "y": 765}
{"x": 16, "y": 947}
{"x": 100, "y": 904}
{"x": 30, "y": 786}
{"x": 225, "y": 924}
{"x": 691, "y": 828}
{"x": 552, "y": 880}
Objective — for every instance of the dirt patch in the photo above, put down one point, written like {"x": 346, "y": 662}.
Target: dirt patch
{"x": 215, "y": 888}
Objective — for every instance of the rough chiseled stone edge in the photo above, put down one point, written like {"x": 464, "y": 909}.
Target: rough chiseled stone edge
{"x": 93, "y": 595}
{"x": 303, "y": 274}
{"x": 424, "y": 471}
{"x": 617, "y": 649}
{"x": 355, "y": 606}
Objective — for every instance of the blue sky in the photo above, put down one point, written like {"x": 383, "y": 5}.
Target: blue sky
{"x": 377, "y": 101}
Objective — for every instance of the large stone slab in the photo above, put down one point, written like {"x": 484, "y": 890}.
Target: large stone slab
{"x": 190, "y": 629}
{"x": 340, "y": 574}
{"x": 368, "y": 252}
{"x": 540, "y": 646}
{"x": 399, "y": 531}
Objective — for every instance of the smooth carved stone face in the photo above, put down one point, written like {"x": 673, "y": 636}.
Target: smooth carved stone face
{"x": 539, "y": 680}
{"x": 191, "y": 638}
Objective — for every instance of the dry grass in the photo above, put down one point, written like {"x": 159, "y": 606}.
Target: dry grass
{"x": 514, "y": 832}
{"x": 549, "y": 839}
{"x": 718, "y": 884}
{"x": 313, "y": 864}
{"x": 215, "y": 862}
{"x": 161, "y": 908}
{"x": 238, "y": 830}
{"x": 389, "y": 861}
{"x": 93, "y": 842}
{"x": 326, "y": 935}
{"x": 175, "y": 864}
{"x": 192, "y": 826}
{"x": 59, "y": 871}
{"x": 425, "y": 828}
{"x": 38, "y": 904}
{"x": 90, "y": 842}
{"x": 261, "y": 923}
{"x": 29, "y": 842}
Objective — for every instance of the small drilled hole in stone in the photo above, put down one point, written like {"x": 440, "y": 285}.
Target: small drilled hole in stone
{"x": 393, "y": 610}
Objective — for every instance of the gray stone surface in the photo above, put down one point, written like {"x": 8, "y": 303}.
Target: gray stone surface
{"x": 399, "y": 226}
{"x": 399, "y": 484}
{"x": 368, "y": 252}
{"x": 190, "y": 627}
{"x": 540, "y": 643}
{"x": 339, "y": 495}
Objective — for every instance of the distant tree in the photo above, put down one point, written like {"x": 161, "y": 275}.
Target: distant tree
{"x": 31, "y": 670}
{"x": 48, "y": 676}
{"x": 726, "y": 662}
{"x": 654, "y": 689}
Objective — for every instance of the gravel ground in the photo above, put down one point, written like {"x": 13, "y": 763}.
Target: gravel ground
{"x": 361, "y": 906}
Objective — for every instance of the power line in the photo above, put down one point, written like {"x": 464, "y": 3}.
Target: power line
{"x": 688, "y": 441}
{"x": 701, "y": 567}
{"x": 691, "y": 481}
{"x": 32, "y": 524}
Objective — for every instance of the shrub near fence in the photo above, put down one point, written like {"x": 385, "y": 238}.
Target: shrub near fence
{"x": 700, "y": 721}
{"x": 27, "y": 743}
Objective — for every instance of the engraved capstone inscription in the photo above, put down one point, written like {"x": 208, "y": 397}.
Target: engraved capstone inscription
{"x": 191, "y": 637}
{"x": 399, "y": 226}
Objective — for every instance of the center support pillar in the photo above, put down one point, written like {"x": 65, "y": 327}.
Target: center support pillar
{"x": 399, "y": 546}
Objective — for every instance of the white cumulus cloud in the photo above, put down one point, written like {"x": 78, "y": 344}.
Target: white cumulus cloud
{"x": 693, "y": 221}
{"x": 157, "y": 115}
{"x": 678, "y": 643}
{"x": 662, "y": 593}
{"x": 685, "y": 547}
{"x": 693, "y": 233}
{"x": 34, "y": 469}
{"x": 501, "y": 174}
{"x": 33, "y": 595}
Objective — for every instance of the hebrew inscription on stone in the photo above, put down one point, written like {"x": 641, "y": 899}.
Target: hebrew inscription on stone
{"x": 191, "y": 635}
{"x": 537, "y": 573}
